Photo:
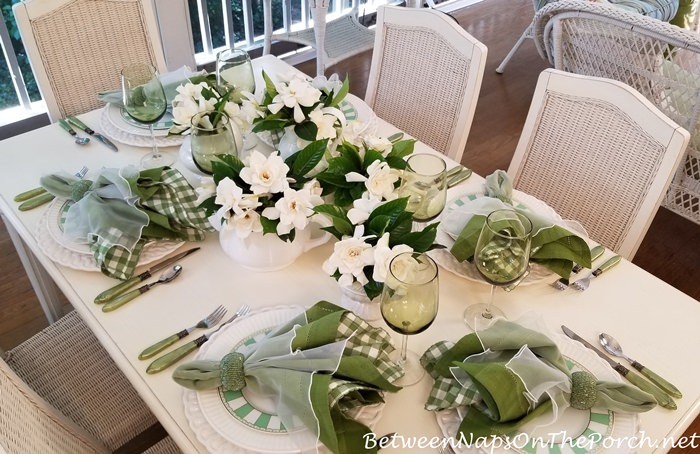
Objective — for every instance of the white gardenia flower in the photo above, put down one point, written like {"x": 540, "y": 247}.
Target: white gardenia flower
{"x": 380, "y": 180}
{"x": 325, "y": 124}
{"x": 293, "y": 210}
{"x": 294, "y": 95}
{"x": 383, "y": 255}
{"x": 352, "y": 132}
{"x": 381, "y": 144}
{"x": 231, "y": 198}
{"x": 362, "y": 207}
{"x": 183, "y": 111}
{"x": 206, "y": 189}
{"x": 350, "y": 256}
{"x": 331, "y": 84}
{"x": 265, "y": 174}
{"x": 244, "y": 224}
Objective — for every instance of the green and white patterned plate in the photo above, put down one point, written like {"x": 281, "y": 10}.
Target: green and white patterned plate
{"x": 586, "y": 431}
{"x": 246, "y": 422}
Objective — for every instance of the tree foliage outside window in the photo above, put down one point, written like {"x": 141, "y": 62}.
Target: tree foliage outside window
{"x": 8, "y": 97}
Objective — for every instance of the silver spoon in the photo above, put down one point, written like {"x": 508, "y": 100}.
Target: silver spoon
{"x": 121, "y": 300}
{"x": 613, "y": 347}
{"x": 79, "y": 140}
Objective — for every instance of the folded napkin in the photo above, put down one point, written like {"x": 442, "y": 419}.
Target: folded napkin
{"x": 170, "y": 82}
{"x": 556, "y": 244}
{"x": 509, "y": 374}
{"x": 121, "y": 210}
{"x": 317, "y": 367}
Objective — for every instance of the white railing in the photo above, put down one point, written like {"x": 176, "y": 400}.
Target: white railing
{"x": 252, "y": 40}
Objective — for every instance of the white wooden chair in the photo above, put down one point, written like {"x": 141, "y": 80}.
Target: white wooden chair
{"x": 658, "y": 59}
{"x": 78, "y": 47}
{"x": 62, "y": 394}
{"x": 598, "y": 152}
{"x": 341, "y": 38}
{"x": 426, "y": 75}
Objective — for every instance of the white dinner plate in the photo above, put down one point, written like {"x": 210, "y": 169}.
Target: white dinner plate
{"x": 114, "y": 126}
{"x": 79, "y": 257}
{"x": 241, "y": 422}
{"x": 596, "y": 424}
{"x": 467, "y": 270}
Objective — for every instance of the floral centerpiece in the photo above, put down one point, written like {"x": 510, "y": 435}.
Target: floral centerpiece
{"x": 308, "y": 108}
{"x": 263, "y": 194}
{"x": 368, "y": 217}
{"x": 201, "y": 96}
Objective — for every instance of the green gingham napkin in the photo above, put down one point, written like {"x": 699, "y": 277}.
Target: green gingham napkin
{"x": 318, "y": 366}
{"x": 553, "y": 245}
{"x": 509, "y": 374}
{"x": 121, "y": 210}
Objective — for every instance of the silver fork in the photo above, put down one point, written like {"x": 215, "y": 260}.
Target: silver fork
{"x": 207, "y": 322}
{"x": 582, "y": 284}
{"x": 176, "y": 355}
{"x": 39, "y": 196}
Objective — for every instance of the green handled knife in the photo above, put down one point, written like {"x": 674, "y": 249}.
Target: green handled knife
{"x": 170, "y": 358}
{"x": 642, "y": 383}
{"x": 122, "y": 287}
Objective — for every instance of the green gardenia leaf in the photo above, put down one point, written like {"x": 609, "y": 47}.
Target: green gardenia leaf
{"x": 373, "y": 289}
{"x": 309, "y": 157}
{"x": 378, "y": 225}
{"x": 227, "y": 166}
{"x": 269, "y": 124}
{"x": 396, "y": 162}
{"x": 393, "y": 209}
{"x": 306, "y": 130}
{"x": 423, "y": 240}
{"x": 269, "y": 225}
{"x": 269, "y": 85}
{"x": 339, "y": 218}
{"x": 402, "y": 148}
{"x": 342, "y": 93}
{"x": 371, "y": 156}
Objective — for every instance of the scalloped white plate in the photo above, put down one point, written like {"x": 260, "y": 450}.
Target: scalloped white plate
{"x": 241, "y": 423}
{"x": 85, "y": 261}
{"x": 574, "y": 423}
{"x": 113, "y": 126}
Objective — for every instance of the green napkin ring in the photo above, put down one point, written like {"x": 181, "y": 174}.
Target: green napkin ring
{"x": 583, "y": 390}
{"x": 232, "y": 376}
{"x": 79, "y": 189}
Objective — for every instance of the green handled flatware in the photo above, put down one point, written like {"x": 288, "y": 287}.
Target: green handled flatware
{"x": 611, "y": 346}
{"x": 207, "y": 322}
{"x": 37, "y": 201}
{"x": 26, "y": 195}
{"x": 118, "y": 289}
{"x": 176, "y": 355}
{"x": 82, "y": 126}
{"x": 582, "y": 284}
{"x": 662, "y": 398}
{"x": 124, "y": 298}
{"x": 39, "y": 196}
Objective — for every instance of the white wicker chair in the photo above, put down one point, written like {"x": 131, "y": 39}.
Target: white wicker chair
{"x": 62, "y": 394}
{"x": 425, "y": 77}
{"x": 660, "y": 9}
{"x": 334, "y": 41}
{"x": 660, "y": 60}
{"x": 78, "y": 47}
{"x": 598, "y": 152}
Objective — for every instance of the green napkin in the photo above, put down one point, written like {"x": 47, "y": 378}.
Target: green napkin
{"x": 553, "y": 245}
{"x": 121, "y": 210}
{"x": 318, "y": 366}
{"x": 509, "y": 374}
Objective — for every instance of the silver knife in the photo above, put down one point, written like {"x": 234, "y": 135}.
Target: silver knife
{"x": 79, "y": 124}
{"x": 122, "y": 287}
{"x": 170, "y": 358}
{"x": 642, "y": 383}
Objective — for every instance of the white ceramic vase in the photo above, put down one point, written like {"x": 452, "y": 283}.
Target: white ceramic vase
{"x": 354, "y": 298}
{"x": 260, "y": 252}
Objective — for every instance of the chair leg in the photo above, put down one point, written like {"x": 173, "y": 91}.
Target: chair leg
{"x": 46, "y": 291}
{"x": 526, "y": 34}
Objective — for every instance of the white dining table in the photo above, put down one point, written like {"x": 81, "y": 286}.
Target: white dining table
{"x": 656, "y": 324}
